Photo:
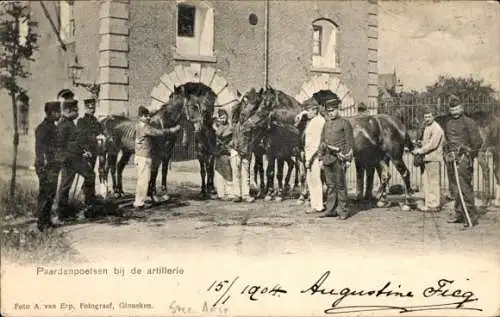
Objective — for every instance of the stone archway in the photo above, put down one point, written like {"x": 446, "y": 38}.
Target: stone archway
{"x": 197, "y": 73}
{"x": 329, "y": 82}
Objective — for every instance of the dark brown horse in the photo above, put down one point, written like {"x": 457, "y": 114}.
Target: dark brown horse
{"x": 273, "y": 120}
{"x": 119, "y": 134}
{"x": 378, "y": 140}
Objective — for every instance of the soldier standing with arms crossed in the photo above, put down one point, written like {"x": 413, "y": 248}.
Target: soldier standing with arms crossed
{"x": 336, "y": 150}
{"x": 463, "y": 142}
{"x": 46, "y": 164}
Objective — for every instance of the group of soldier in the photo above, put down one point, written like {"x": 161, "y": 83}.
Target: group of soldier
{"x": 65, "y": 148}
{"x": 329, "y": 146}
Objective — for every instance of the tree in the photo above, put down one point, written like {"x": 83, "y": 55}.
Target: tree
{"x": 467, "y": 89}
{"x": 18, "y": 42}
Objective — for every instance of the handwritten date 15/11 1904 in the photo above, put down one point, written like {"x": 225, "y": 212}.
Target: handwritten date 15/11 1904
{"x": 443, "y": 289}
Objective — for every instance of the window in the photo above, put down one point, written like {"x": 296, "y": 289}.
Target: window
{"x": 66, "y": 21}
{"x": 195, "y": 29}
{"x": 324, "y": 50}
{"x": 317, "y": 30}
{"x": 186, "y": 20}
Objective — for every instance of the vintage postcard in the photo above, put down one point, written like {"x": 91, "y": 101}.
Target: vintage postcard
{"x": 250, "y": 158}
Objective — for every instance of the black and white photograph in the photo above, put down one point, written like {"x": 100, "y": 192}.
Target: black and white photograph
{"x": 250, "y": 158}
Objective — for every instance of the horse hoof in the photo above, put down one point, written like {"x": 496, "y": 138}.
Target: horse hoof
{"x": 405, "y": 207}
{"x": 381, "y": 204}
{"x": 299, "y": 201}
{"x": 278, "y": 198}
{"x": 117, "y": 195}
{"x": 268, "y": 198}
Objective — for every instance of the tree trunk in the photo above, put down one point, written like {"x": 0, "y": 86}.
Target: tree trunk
{"x": 16, "y": 144}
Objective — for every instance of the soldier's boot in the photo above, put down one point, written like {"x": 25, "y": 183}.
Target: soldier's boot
{"x": 331, "y": 204}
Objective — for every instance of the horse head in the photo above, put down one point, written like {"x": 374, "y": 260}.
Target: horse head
{"x": 258, "y": 119}
{"x": 200, "y": 111}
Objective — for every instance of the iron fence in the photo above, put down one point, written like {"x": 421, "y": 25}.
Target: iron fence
{"x": 410, "y": 112}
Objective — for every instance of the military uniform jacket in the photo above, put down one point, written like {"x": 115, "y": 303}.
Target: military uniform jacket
{"x": 338, "y": 133}
{"x": 69, "y": 139}
{"x": 45, "y": 145}
{"x": 89, "y": 128}
{"x": 463, "y": 133}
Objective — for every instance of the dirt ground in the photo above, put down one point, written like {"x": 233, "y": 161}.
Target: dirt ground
{"x": 186, "y": 224}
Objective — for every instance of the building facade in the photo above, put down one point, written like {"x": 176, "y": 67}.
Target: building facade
{"x": 138, "y": 50}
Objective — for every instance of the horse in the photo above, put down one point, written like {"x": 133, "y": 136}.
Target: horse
{"x": 378, "y": 140}
{"x": 273, "y": 120}
{"x": 489, "y": 127}
{"x": 119, "y": 132}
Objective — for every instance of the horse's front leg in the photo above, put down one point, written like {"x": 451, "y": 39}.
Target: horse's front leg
{"x": 279, "y": 176}
{"x": 270, "y": 178}
{"x": 211, "y": 175}
{"x": 383, "y": 172}
{"x": 121, "y": 166}
{"x": 291, "y": 167}
{"x": 360, "y": 179}
{"x": 155, "y": 166}
{"x": 111, "y": 167}
{"x": 259, "y": 171}
{"x": 203, "y": 174}
{"x": 370, "y": 173}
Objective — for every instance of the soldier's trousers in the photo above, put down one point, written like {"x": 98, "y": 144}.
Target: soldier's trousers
{"x": 47, "y": 189}
{"x": 465, "y": 176}
{"x": 336, "y": 201}
{"x": 451, "y": 180}
{"x": 71, "y": 167}
{"x": 241, "y": 175}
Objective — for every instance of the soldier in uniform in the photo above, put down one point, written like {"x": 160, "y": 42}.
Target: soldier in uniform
{"x": 46, "y": 164}
{"x": 336, "y": 151}
{"x": 89, "y": 128}
{"x": 463, "y": 142}
{"x": 74, "y": 159}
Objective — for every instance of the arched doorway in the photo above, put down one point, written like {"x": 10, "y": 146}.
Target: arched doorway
{"x": 329, "y": 82}
{"x": 207, "y": 79}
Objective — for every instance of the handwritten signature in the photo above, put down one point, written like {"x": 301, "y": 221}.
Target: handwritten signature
{"x": 388, "y": 290}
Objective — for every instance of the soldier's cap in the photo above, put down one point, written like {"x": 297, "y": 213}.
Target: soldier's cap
{"x": 362, "y": 107}
{"x": 52, "y": 106}
{"x": 89, "y": 103}
{"x": 70, "y": 104}
{"x": 332, "y": 104}
{"x": 143, "y": 111}
{"x": 454, "y": 101}
{"x": 66, "y": 94}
